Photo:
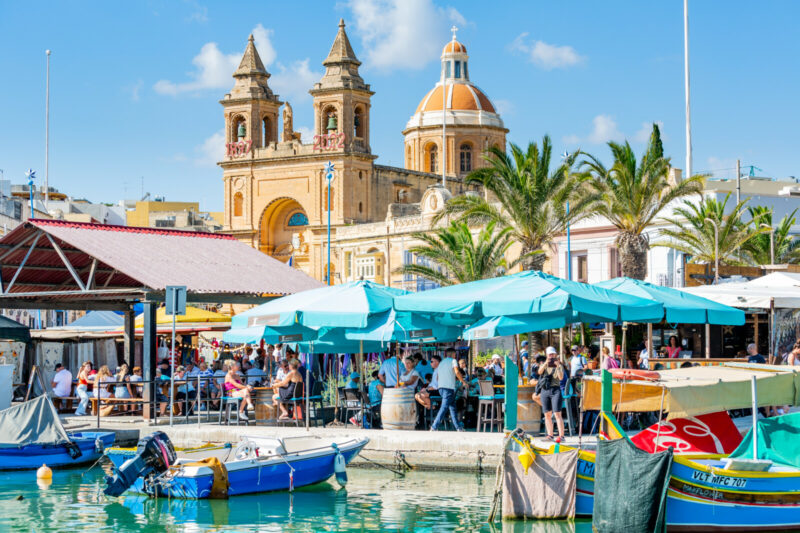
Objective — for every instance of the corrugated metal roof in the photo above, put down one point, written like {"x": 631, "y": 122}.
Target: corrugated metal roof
{"x": 146, "y": 257}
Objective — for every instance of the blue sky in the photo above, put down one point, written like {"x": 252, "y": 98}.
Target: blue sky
{"x": 135, "y": 85}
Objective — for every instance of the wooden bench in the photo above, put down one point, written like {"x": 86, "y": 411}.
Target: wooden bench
{"x": 108, "y": 410}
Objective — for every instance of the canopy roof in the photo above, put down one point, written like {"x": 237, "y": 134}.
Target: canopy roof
{"x": 780, "y": 289}
{"x": 52, "y": 264}
{"x": 194, "y": 315}
{"x": 698, "y": 390}
{"x": 679, "y": 306}
{"x": 96, "y": 320}
{"x": 13, "y": 330}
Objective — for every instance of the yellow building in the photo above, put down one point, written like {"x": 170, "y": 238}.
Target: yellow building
{"x": 175, "y": 215}
{"x": 276, "y": 192}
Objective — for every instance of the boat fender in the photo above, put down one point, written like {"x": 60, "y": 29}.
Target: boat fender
{"x": 44, "y": 472}
{"x": 98, "y": 445}
{"x": 630, "y": 374}
{"x": 339, "y": 466}
{"x": 73, "y": 450}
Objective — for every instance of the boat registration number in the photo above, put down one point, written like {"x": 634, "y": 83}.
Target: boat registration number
{"x": 715, "y": 479}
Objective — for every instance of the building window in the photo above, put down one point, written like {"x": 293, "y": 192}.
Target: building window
{"x": 360, "y": 207}
{"x": 348, "y": 264}
{"x": 458, "y": 69}
{"x": 433, "y": 158}
{"x": 360, "y": 175}
{"x": 447, "y": 69}
{"x": 582, "y": 267}
{"x": 298, "y": 219}
{"x": 238, "y": 204}
{"x": 358, "y": 123}
{"x": 466, "y": 157}
{"x": 238, "y": 129}
{"x": 466, "y": 76}
{"x": 266, "y": 133}
{"x": 614, "y": 266}
{"x": 325, "y": 198}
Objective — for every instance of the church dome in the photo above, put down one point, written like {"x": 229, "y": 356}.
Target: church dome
{"x": 454, "y": 47}
{"x": 460, "y": 97}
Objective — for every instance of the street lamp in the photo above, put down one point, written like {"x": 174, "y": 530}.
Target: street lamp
{"x": 771, "y": 242}
{"x": 31, "y": 175}
{"x": 716, "y": 250}
{"x": 329, "y": 179}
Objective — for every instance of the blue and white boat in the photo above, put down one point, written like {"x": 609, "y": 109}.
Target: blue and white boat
{"x": 256, "y": 464}
{"x": 33, "y": 435}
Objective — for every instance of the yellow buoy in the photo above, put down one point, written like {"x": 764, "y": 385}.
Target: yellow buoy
{"x": 526, "y": 458}
{"x": 44, "y": 472}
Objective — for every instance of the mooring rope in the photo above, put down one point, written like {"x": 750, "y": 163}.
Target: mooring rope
{"x": 398, "y": 472}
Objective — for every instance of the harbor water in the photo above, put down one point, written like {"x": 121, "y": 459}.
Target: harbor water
{"x": 374, "y": 500}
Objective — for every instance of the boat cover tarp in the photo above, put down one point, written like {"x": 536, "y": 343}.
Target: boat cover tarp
{"x": 711, "y": 433}
{"x": 32, "y": 422}
{"x": 701, "y": 389}
{"x": 630, "y": 487}
{"x": 546, "y": 491}
{"x": 220, "y": 485}
{"x": 778, "y": 441}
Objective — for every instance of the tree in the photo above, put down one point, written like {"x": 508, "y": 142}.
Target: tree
{"x": 692, "y": 234}
{"x": 633, "y": 194}
{"x": 458, "y": 257}
{"x": 524, "y": 198}
{"x": 759, "y": 249}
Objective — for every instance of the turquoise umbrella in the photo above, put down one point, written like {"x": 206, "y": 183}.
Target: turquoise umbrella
{"x": 349, "y": 305}
{"x": 530, "y": 293}
{"x": 395, "y": 326}
{"x": 679, "y": 306}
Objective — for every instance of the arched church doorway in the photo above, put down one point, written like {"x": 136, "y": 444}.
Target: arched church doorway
{"x": 281, "y": 229}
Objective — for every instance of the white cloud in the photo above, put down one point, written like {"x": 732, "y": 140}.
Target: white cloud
{"x": 199, "y": 13}
{"x": 213, "y": 68}
{"x": 293, "y": 82}
{"x": 212, "y": 150}
{"x": 306, "y": 134}
{"x": 402, "y": 34}
{"x": 503, "y": 107}
{"x": 604, "y": 129}
{"x": 643, "y": 135}
{"x": 546, "y": 56}
{"x": 135, "y": 89}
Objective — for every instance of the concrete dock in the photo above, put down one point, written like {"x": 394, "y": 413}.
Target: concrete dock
{"x": 466, "y": 451}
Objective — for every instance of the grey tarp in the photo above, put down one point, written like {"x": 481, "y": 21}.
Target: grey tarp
{"x": 546, "y": 491}
{"x": 33, "y": 422}
{"x": 630, "y": 488}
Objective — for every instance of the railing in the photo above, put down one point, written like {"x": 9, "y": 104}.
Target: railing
{"x": 676, "y": 362}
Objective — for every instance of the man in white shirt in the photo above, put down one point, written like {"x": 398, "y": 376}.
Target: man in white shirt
{"x": 388, "y": 372}
{"x": 446, "y": 375}
{"x": 644, "y": 357}
{"x": 62, "y": 382}
{"x": 578, "y": 361}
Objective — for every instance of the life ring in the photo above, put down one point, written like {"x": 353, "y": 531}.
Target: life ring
{"x": 629, "y": 374}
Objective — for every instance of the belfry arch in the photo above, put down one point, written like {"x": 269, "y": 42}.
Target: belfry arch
{"x": 281, "y": 220}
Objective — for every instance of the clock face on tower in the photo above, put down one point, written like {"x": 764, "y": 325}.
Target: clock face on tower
{"x": 238, "y": 183}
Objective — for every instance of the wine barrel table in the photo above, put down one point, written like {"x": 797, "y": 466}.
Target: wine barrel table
{"x": 266, "y": 412}
{"x": 529, "y": 413}
{"x": 398, "y": 409}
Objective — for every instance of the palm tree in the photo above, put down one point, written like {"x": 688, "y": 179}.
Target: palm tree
{"x": 759, "y": 248}
{"x": 633, "y": 194}
{"x": 457, "y": 257}
{"x": 691, "y": 233}
{"x": 524, "y": 198}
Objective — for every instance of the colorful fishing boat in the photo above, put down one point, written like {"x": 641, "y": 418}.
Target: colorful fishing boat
{"x": 755, "y": 488}
{"x": 256, "y": 464}
{"x": 34, "y": 435}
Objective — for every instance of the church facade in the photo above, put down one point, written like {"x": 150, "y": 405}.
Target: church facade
{"x": 276, "y": 189}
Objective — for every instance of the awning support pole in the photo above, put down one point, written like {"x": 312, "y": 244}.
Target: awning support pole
{"x": 24, "y": 260}
{"x": 755, "y": 416}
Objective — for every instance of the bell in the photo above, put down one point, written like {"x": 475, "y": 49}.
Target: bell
{"x": 241, "y": 132}
{"x": 357, "y": 121}
{"x": 332, "y": 125}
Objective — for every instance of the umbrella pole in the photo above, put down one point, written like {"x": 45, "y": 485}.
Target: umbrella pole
{"x": 708, "y": 341}
{"x": 397, "y": 360}
{"x": 309, "y": 359}
{"x": 561, "y": 344}
{"x": 624, "y": 354}
{"x": 650, "y": 350}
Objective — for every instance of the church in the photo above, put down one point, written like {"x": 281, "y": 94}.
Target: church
{"x": 276, "y": 185}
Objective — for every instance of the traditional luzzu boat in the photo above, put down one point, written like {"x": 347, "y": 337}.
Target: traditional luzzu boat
{"x": 255, "y": 464}
{"x": 34, "y": 436}
{"x": 754, "y": 488}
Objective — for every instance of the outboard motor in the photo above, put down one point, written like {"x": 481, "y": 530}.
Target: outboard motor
{"x": 154, "y": 455}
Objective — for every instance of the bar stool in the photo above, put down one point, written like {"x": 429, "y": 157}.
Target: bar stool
{"x": 226, "y": 403}
{"x": 489, "y": 406}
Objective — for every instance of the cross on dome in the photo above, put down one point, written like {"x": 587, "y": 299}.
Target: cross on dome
{"x": 454, "y": 30}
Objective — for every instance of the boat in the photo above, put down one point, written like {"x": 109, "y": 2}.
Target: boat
{"x": 34, "y": 436}
{"x": 755, "y": 488}
{"x": 256, "y": 464}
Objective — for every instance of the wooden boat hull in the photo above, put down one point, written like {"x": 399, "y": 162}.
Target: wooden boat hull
{"x": 704, "y": 497}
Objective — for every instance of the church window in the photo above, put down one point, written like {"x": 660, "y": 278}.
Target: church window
{"x": 466, "y": 76}
{"x": 466, "y": 157}
{"x": 238, "y": 129}
{"x": 433, "y": 158}
{"x": 360, "y": 175}
{"x": 330, "y": 120}
{"x": 298, "y": 219}
{"x": 325, "y": 199}
{"x": 458, "y": 69}
{"x": 358, "y": 123}
{"x": 446, "y": 69}
{"x": 238, "y": 204}
{"x": 266, "y": 133}
{"x": 360, "y": 207}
